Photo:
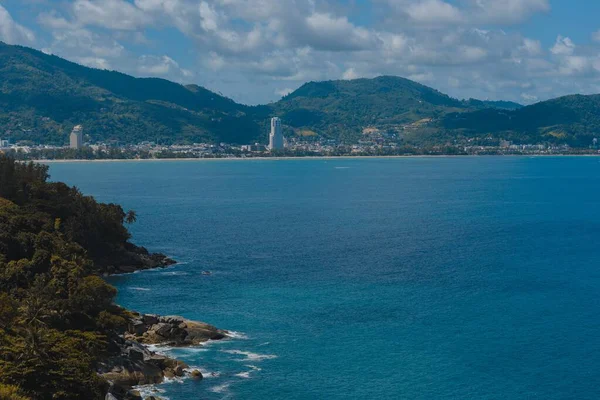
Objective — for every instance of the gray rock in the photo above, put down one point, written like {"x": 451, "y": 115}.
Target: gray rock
{"x": 150, "y": 319}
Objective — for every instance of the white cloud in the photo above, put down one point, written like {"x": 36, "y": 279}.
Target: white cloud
{"x": 110, "y": 14}
{"x": 11, "y": 32}
{"x": 161, "y": 66}
{"x": 596, "y": 36}
{"x": 434, "y": 11}
{"x": 506, "y": 11}
{"x": 93, "y": 62}
{"x": 531, "y": 47}
{"x": 283, "y": 92}
{"x": 350, "y": 74}
{"x": 563, "y": 46}
{"x": 529, "y": 98}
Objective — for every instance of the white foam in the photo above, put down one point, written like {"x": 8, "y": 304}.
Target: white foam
{"x": 246, "y": 374}
{"x": 341, "y": 167}
{"x": 236, "y": 335}
{"x": 140, "y": 289}
{"x": 150, "y": 390}
{"x": 249, "y": 356}
{"x": 174, "y": 273}
{"x": 224, "y": 388}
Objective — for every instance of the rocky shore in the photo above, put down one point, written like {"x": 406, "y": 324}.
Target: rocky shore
{"x": 134, "y": 364}
{"x": 132, "y": 258}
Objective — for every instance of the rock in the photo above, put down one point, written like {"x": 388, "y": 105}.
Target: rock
{"x": 162, "y": 329}
{"x": 199, "y": 332}
{"x": 135, "y": 354}
{"x": 134, "y": 395}
{"x": 196, "y": 375}
{"x": 169, "y": 374}
{"x": 136, "y": 327}
{"x": 110, "y": 396}
{"x": 178, "y": 371}
{"x": 150, "y": 319}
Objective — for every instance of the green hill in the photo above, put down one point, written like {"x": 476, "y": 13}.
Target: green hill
{"x": 344, "y": 108}
{"x": 571, "y": 119}
{"x": 42, "y": 97}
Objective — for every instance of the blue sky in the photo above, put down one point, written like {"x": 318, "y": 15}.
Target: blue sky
{"x": 255, "y": 51}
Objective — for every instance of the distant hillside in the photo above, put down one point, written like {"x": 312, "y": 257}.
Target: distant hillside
{"x": 348, "y": 106}
{"x": 502, "y": 105}
{"x": 571, "y": 119}
{"x": 43, "y": 96}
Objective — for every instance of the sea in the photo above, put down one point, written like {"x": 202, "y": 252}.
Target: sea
{"x": 404, "y": 278}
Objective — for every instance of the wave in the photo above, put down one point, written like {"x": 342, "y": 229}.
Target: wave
{"x": 139, "y": 288}
{"x": 246, "y": 374}
{"x": 150, "y": 390}
{"x": 236, "y": 335}
{"x": 249, "y": 356}
{"x": 174, "y": 273}
{"x": 223, "y": 388}
{"x": 341, "y": 167}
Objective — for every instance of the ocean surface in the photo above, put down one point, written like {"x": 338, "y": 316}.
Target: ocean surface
{"x": 412, "y": 278}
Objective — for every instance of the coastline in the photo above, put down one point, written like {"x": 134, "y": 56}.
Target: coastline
{"x": 306, "y": 158}
{"x": 138, "y": 364}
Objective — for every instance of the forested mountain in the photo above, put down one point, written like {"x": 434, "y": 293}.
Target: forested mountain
{"x": 42, "y": 97}
{"x": 570, "y": 119}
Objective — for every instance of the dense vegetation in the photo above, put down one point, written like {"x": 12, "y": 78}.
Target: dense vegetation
{"x": 57, "y": 315}
{"x": 571, "y": 119}
{"x": 42, "y": 97}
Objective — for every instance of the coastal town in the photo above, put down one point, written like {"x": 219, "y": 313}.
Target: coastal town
{"x": 373, "y": 143}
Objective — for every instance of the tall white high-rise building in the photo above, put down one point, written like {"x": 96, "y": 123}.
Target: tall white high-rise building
{"x": 76, "y": 139}
{"x": 276, "y": 136}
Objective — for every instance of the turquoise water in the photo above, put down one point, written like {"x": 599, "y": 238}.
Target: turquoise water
{"x": 416, "y": 278}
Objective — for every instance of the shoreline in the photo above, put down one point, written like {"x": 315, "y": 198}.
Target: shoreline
{"x": 42, "y": 161}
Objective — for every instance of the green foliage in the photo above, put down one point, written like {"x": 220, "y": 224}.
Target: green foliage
{"x": 55, "y": 314}
{"x": 9, "y": 392}
{"x": 42, "y": 97}
{"x": 571, "y": 119}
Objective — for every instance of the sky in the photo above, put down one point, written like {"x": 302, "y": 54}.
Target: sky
{"x": 256, "y": 51}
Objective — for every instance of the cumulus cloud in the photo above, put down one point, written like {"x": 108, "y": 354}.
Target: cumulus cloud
{"x": 434, "y": 11}
{"x": 110, "y": 14}
{"x": 161, "y": 66}
{"x": 255, "y": 50}
{"x": 11, "y": 32}
{"x": 563, "y": 46}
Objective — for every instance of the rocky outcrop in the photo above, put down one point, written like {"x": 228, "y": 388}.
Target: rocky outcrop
{"x": 131, "y": 258}
{"x": 171, "y": 330}
{"x": 136, "y": 365}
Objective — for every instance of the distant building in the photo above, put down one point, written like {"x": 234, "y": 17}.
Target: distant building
{"x": 276, "y": 136}
{"x": 256, "y": 147}
{"x": 76, "y": 140}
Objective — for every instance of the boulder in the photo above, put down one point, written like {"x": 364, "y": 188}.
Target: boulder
{"x": 196, "y": 375}
{"x": 162, "y": 329}
{"x": 134, "y": 395}
{"x": 150, "y": 319}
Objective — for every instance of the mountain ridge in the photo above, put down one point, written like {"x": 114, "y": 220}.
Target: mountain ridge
{"x": 43, "y": 96}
